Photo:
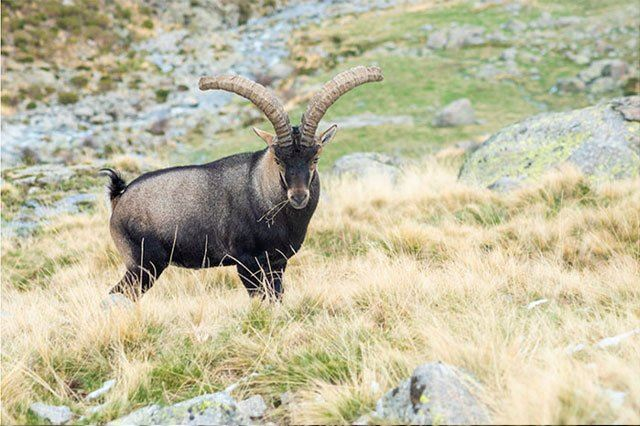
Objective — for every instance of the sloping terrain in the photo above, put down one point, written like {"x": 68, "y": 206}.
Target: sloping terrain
{"x": 516, "y": 288}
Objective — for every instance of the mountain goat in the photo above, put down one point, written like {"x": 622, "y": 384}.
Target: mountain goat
{"x": 250, "y": 210}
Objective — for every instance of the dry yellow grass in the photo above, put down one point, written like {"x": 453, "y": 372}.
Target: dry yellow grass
{"x": 389, "y": 278}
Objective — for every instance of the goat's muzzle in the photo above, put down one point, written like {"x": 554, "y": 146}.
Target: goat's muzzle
{"x": 298, "y": 198}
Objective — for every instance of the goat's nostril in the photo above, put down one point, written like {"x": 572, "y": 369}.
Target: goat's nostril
{"x": 299, "y": 198}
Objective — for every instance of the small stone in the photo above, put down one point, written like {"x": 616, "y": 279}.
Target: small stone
{"x": 117, "y": 300}
{"x": 437, "y": 40}
{"x": 465, "y": 35}
{"x": 569, "y": 85}
{"x": 101, "y": 119}
{"x": 159, "y": 127}
{"x": 364, "y": 420}
{"x": 572, "y": 349}
{"x": 615, "y": 398}
{"x": 457, "y": 113}
{"x": 515, "y": 26}
{"x": 509, "y": 54}
{"x": 536, "y": 303}
{"x": 603, "y": 85}
{"x": 97, "y": 408}
{"x": 286, "y": 398}
{"x": 364, "y": 164}
{"x": 106, "y": 387}
{"x": 616, "y": 340}
{"x": 83, "y": 111}
{"x": 253, "y": 407}
{"x": 56, "y": 414}
{"x": 190, "y": 101}
{"x": 579, "y": 58}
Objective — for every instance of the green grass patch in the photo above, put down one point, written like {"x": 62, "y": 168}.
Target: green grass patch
{"x": 327, "y": 365}
{"x": 66, "y": 98}
{"x": 486, "y": 215}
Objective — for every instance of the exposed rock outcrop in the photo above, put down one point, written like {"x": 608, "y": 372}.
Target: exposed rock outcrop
{"x": 602, "y": 141}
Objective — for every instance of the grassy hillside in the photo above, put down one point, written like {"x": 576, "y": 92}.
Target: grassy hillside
{"x": 419, "y": 81}
{"x": 390, "y": 277}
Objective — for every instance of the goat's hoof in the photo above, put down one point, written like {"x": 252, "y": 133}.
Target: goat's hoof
{"x": 117, "y": 301}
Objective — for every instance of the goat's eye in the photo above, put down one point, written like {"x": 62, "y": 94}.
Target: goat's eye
{"x": 278, "y": 162}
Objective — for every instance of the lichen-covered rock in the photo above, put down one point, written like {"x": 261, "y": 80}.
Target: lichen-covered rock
{"x": 253, "y": 407}
{"x": 210, "y": 409}
{"x": 602, "y": 141}
{"x": 436, "y": 393}
{"x": 56, "y": 414}
{"x": 603, "y": 76}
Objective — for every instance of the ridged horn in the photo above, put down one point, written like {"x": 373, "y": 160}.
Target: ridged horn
{"x": 329, "y": 93}
{"x": 259, "y": 95}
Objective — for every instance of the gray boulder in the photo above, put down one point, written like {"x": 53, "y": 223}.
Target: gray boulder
{"x": 363, "y": 164}
{"x": 457, "y": 113}
{"x": 210, "y": 409}
{"x": 437, "y": 40}
{"x": 436, "y": 393}
{"x": 465, "y": 35}
{"x": 56, "y": 414}
{"x": 602, "y": 141}
{"x": 603, "y": 76}
{"x": 613, "y": 68}
{"x": 456, "y": 37}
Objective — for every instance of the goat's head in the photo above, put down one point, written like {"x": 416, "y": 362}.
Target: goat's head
{"x": 295, "y": 150}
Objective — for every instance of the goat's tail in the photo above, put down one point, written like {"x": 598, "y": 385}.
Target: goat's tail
{"x": 116, "y": 185}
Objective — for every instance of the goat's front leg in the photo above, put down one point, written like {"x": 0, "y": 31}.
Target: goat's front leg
{"x": 273, "y": 280}
{"x": 263, "y": 276}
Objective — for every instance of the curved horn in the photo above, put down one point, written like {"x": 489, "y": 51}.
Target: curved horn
{"x": 330, "y": 92}
{"x": 264, "y": 99}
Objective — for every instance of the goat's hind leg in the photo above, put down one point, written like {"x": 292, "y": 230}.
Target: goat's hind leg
{"x": 137, "y": 280}
{"x": 141, "y": 276}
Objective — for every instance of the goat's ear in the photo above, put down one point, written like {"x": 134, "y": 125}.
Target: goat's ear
{"x": 328, "y": 134}
{"x": 265, "y": 136}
